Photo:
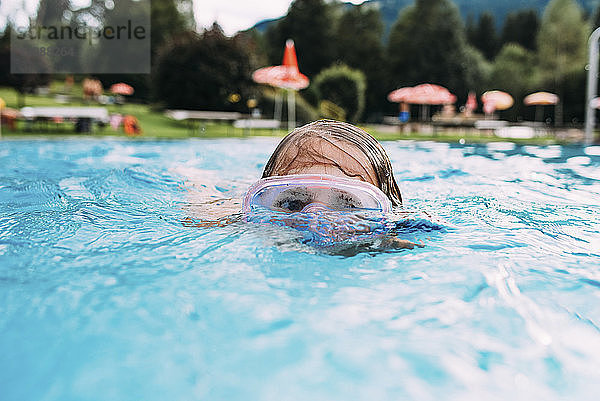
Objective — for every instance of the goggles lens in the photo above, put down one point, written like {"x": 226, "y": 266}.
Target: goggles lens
{"x": 326, "y": 209}
{"x": 293, "y": 193}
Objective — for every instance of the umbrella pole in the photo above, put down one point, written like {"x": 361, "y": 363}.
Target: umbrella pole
{"x": 537, "y": 113}
{"x": 278, "y": 104}
{"x": 291, "y": 110}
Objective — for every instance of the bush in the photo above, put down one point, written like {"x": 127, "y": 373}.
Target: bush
{"x": 344, "y": 87}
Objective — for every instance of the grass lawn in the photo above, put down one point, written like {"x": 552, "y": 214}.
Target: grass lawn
{"x": 155, "y": 124}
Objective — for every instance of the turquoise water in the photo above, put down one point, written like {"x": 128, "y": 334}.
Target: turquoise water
{"x": 106, "y": 295}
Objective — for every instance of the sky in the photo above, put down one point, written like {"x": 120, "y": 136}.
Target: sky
{"x": 232, "y": 15}
{"x": 236, "y": 15}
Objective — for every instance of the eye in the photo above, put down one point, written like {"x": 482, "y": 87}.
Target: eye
{"x": 293, "y": 200}
{"x": 293, "y": 205}
{"x": 345, "y": 200}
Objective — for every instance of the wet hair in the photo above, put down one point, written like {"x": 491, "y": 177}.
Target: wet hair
{"x": 334, "y": 133}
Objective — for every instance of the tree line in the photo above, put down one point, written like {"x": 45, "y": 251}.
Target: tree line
{"x": 353, "y": 63}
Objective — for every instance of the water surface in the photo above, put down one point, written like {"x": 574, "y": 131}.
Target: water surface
{"x": 105, "y": 294}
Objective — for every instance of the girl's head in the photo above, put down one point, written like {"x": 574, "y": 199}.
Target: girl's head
{"x": 338, "y": 149}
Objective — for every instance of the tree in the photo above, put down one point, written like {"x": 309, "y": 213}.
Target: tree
{"x": 310, "y": 24}
{"x": 168, "y": 18}
{"x": 52, "y": 12}
{"x": 521, "y": 27}
{"x": 595, "y": 19}
{"x": 561, "y": 43}
{"x": 203, "y": 72}
{"x": 471, "y": 29}
{"x": 22, "y": 83}
{"x": 513, "y": 72}
{"x": 484, "y": 36}
{"x": 359, "y": 41}
{"x": 344, "y": 87}
{"x": 428, "y": 44}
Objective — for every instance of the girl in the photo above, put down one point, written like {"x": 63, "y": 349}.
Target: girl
{"x": 329, "y": 179}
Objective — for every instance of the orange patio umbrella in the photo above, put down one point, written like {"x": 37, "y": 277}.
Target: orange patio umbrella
{"x": 286, "y": 76}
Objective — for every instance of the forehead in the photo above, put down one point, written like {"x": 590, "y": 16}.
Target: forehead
{"x": 327, "y": 156}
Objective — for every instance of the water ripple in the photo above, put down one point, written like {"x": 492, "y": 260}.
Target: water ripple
{"x": 115, "y": 280}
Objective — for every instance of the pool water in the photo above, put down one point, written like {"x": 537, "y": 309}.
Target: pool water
{"x": 106, "y": 295}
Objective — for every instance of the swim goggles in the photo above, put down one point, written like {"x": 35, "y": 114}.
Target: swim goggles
{"x": 310, "y": 192}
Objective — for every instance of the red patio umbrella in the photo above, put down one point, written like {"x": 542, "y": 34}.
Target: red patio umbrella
{"x": 286, "y": 76}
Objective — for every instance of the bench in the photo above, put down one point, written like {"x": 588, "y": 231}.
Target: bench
{"x": 202, "y": 116}
{"x": 84, "y": 116}
{"x": 250, "y": 123}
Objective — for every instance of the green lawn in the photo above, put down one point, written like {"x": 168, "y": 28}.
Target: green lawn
{"x": 155, "y": 124}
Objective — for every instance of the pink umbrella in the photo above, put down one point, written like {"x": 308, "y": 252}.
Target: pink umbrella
{"x": 431, "y": 94}
{"x": 281, "y": 76}
{"x": 122, "y": 89}
{"x": 400, "y": 95}
{"x": 424, "y": 94}
{"x": 496, "y": 100}
{"x": 471, "y": 104}
{"x": 286, "y": 76}
{"x": 595, "y": 103}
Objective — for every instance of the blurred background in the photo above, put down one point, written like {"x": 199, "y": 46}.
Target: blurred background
{"x": 204, "y": 54}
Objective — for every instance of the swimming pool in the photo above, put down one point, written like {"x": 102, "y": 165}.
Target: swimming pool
{"x": 106, "y": 295}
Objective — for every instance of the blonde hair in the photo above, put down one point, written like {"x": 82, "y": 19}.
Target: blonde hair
{"x": 329, "y": 130}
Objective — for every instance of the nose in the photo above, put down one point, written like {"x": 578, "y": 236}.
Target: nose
{"x": 315, "y": 207}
